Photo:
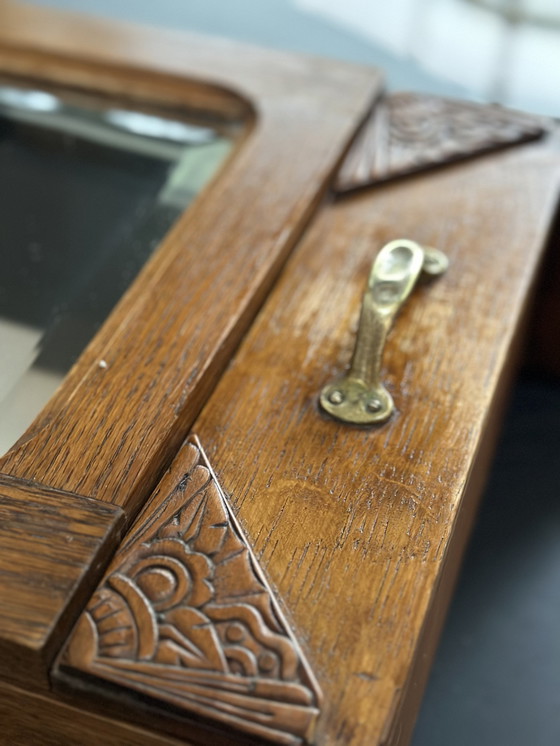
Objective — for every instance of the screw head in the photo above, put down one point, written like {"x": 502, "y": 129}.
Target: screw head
{"x": 373, "y": 405}
{"x": 336, "y": 397}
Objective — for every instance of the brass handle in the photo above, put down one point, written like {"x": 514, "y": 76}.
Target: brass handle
{"x": 360, "y": 398}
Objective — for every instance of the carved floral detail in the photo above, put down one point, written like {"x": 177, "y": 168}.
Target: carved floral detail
{"x": 409, "y": 132}
{"x": 185, "y": 616}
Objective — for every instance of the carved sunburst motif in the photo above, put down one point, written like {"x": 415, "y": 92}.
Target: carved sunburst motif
{"x": 185, "y": 616}
{"x": 409, "y": 132}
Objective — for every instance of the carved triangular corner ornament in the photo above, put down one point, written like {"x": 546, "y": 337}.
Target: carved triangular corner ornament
{"x": 410, "y": 132}
{"x": 185, "y": 617}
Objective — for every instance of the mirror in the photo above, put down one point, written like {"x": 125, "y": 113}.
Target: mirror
{"x": 88, "y": 189}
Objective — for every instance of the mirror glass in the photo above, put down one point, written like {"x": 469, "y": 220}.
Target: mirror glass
{"x": 88, "y": 189}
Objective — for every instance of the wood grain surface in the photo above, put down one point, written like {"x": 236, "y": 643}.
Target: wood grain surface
{"x": 361, "y": 531}
{"x": 110, "y": 430}
{"x": 53, "y": 548}
{"x": 35, "y": 719}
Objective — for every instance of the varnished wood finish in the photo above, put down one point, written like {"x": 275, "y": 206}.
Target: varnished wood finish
{"x": 110, "y": 430}
{"x": 410, "y": 132}
{"x": 401, "y": 725}
{"x": 184, "y": 616}
{"x": 53, "y": 547}
{"x": 361, "y": 530}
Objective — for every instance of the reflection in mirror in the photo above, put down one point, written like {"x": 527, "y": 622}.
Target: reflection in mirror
{"x": 87, "y": 191}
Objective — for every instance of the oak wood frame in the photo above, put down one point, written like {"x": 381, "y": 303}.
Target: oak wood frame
{"x": 109, "y": 431}
{"x": 384, "y": 699}
{"x": 229, "y": 245}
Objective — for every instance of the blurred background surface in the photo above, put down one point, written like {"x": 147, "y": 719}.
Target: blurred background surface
{"x": 499, "y": 50}
{"x": 496, "y": 679}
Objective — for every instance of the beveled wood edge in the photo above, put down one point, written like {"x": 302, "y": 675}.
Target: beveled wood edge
{"x": 33, "y": 717}
{"x": 400, "y": 725}
{"x": 38, "y": 521}
{"x": 82, "y": 52}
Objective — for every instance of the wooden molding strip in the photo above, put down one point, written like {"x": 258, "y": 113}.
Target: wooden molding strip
{"x": 185, "y": 617}
{"x": 53, "y": 548}
{"x": 411, "y": 132}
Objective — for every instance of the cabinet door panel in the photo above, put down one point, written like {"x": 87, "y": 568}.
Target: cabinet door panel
{"x": 360, "y": 531}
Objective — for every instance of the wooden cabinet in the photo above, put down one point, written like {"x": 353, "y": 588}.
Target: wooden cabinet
{"x": 272, "y": 573}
